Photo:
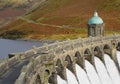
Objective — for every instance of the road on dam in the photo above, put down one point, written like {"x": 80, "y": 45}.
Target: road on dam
{"x": 13, "y": 73}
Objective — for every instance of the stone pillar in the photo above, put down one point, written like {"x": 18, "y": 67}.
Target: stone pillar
{"x": 101, "y": 56}
{"x": 74, "y": 71}
{"x": 53, "y": 78}
{"x": 90, "y": 57}
{"x": 61, "y": 71}
{"x": 80, "y": 61}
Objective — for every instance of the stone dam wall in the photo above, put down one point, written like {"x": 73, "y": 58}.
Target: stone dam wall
{"x": 48, "y": 61}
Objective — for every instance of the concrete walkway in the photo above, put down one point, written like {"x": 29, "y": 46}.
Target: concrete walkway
{"x": 10, "y": 76}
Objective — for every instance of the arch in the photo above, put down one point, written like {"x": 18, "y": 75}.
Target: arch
{"x": 59, "y": 63}
{"x": 47, "y": 72}
{"x": 106, "y": 46}
{"x": 38, "y": 80}
{"x": 60, "y": 69}
{"x": 88, "y": 55}
{"x": 87, "y": 51}
{"x": 79, "y": 59}
{"x": 97, "y": 51}
{"x": 113, "y": 44}
{"x": 107, "y": 49}
{"x": 77, "y": 54}
{"x": 68, "y": 59}
{"x": 69, "y": 63}
{"x": 118, "y": 46}
{"x": 53, "y": 78}
{"x": 59, "y": 66}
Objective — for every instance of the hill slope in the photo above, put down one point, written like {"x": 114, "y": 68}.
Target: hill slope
{"x": 17, "y": 3}
{"x": 63, "y": 17}
{"x": 10, "y": 9}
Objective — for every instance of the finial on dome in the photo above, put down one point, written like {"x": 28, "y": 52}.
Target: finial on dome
{"x": 95, "y": 13}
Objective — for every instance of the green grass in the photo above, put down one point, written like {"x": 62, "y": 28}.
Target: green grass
{"x": 80, "y": 30}
{"x": 111, "y": 32}
{"x": 64, "y": 36}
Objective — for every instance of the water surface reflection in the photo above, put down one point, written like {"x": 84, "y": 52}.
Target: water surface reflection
{"x": 11, "y": 46}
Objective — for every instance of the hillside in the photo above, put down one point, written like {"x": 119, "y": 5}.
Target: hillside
{"x": 22, "y": 4}
{"x": 63, "y": 18}
{"x": 10, "y": 9}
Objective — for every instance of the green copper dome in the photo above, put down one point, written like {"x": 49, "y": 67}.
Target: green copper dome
{"x": 95, "y": 19}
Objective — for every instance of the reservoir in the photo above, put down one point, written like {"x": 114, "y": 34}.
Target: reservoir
{"x": 13, "y": 46}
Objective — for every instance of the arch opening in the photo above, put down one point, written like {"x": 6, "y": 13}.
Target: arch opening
{"x": 97, "y": 51}
{"x": 38, "y": 80}
{"x": 47, "y": 72}
{"x": 46, "y": 75}
{"x": 87, "y": 54}
{"x": 113, "y": 44}
{"x": 118, "y": 46}
{"x": 107, "y": 49}
{"x": 53, "y": 78}
{"x": 79, "y": 59}
{"x": 77, "y": 54}
{"x": 69, "y": 64}
{"x": 60, "y": 69}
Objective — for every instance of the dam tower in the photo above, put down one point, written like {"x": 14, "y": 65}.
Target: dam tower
{"x": 95, "y": 26}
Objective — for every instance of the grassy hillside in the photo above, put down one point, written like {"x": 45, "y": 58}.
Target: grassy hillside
{"x": 17, "y": 3}
{"x": 61, "y": 19}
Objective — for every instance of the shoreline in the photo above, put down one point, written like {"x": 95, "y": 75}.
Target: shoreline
{"x": 30, "y": 40}
{"x": 10, "y": 49}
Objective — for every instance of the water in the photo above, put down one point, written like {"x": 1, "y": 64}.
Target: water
{"x": 81, "y": 74}
{"x": 103, "y": 74}
{"x": 118, "y": 57}
{"x": 92, "y": 73}
{"x": 11, "y": 46}
{"x": 112, "y": 69}
{"x": 60, "y": 80}
{"x": 71, "y": 79}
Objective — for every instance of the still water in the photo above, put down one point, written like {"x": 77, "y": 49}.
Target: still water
{"x": 12, "y": 46}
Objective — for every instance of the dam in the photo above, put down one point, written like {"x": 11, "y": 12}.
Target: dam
{"x": 91, "y": 60}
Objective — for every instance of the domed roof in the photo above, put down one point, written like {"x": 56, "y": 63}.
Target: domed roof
{"x": 95, "y": 19}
